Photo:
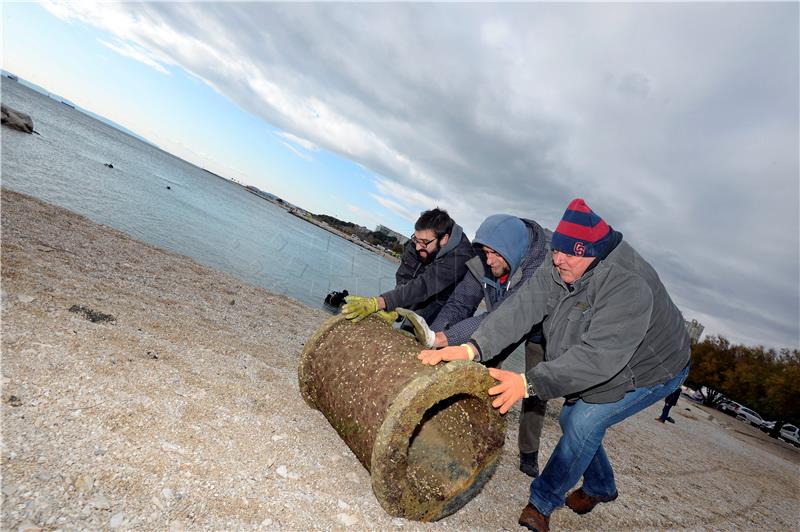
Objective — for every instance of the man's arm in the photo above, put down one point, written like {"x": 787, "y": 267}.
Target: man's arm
{"x": 455, "y": 322}
{"x": 516, "y": 316}
{"x": 436, "y": 278}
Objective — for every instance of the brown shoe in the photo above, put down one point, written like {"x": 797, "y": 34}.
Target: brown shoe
{"x": 531, "y": 519}
{"x": 581, "y": 503}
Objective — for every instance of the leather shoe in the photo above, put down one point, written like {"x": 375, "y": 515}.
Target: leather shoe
{"x": 581, "y": 503}
{"x": 529, "y": 463}
{"x": 532, "y": 519}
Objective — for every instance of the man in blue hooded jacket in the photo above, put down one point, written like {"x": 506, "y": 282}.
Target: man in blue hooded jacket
{"x": 509, "y": 250}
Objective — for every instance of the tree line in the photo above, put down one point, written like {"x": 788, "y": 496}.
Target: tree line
{"x": 762, "y": 379}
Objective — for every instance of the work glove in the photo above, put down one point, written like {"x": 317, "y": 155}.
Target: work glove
{"x": 388, "y": 317}
{"x": 424, "y": 334}
{"x": 509, "y": 390}
{"x": 357, "y": 308}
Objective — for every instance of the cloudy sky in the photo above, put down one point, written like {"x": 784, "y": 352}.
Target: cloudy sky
{"x": 677, "y": 122}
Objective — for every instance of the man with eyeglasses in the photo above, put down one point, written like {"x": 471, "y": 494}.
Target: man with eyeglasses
{"x": 433, "y": 262}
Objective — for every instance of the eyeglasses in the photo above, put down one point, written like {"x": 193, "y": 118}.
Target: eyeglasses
{"x": 425, "y": 243}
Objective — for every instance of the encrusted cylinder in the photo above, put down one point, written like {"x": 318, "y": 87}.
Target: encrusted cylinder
{"x": 428, "y": 435}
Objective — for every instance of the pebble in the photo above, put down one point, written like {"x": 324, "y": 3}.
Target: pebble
{"x": 352, "y": 477}
{"x": 342, "y": 505}
{"x": 83, "y": 483}
{"x": 28, "y": 526}
{"x": 167, "y": 493}
{"x": 25, "y": 298}
{"x": 116, "y": 520}
{"x": 279, "y": 437}
{"x": 281, "y": 471}
{"x": 99, "y": 502}
{"x": 346, "y": 519}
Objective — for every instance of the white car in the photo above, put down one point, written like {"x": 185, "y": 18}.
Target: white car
{"x": 791, "y": 434}
{"x": 751, "y": 416}
{"x": 729, "y": 407}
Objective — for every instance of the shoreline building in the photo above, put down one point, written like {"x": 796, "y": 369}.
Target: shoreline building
{"x": 388, "y": 232}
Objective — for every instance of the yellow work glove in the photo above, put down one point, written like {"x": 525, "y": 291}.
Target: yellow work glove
{"x": 424, "y": 334}
{"x": 388, "y": 317}
{"x": 357, "y": 308}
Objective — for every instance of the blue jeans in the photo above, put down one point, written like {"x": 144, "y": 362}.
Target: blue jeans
{"x": 580, "y": 450}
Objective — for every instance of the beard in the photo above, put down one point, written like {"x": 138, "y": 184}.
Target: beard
{"x": 430, "y": 256}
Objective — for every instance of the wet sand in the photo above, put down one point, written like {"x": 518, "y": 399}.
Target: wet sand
{"x": 183, "y": 411}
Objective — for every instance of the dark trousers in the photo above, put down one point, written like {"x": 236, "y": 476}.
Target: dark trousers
{"x": 531, "y": 419}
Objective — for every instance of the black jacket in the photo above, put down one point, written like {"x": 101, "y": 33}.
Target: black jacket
{"x": 424, "y": 288}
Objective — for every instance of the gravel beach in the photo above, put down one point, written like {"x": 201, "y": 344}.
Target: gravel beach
{"x": 143, "y": 391}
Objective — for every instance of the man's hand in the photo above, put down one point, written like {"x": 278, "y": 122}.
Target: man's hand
{"x": 432, "y": 357}
{"x": 357, "y": 308}
{"x": 510, "y": 390}
{"x": 424, "y": 334}
{"x": 440, "y": 340}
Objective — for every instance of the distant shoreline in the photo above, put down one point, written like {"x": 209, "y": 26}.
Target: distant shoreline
{"x": 345, "y": 236}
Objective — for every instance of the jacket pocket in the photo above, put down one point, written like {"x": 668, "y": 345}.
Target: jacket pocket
{"x": 578, "y": 320}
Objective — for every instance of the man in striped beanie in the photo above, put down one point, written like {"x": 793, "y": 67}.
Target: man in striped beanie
{"x": 616, "y": 344}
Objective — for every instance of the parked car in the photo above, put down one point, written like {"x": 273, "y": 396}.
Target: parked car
{"x": 791, "y": 434}
{"x": 751, "y": 416}
{"x": 729, "y": 407}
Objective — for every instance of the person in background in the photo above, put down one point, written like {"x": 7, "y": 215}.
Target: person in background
{"x": 509, "y": 250}
{"x": 433, "y": 262}
{"x": 616, "y": 344}
{"x": 669, "y": 401}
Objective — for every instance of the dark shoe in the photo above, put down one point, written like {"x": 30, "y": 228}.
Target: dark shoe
{"x": 531, "y": 519}
{"x": 659, "y": 419}
{"x": 670, "y": 420}
{"x": 529, "y": 463}
{"x": 581, "y": 503}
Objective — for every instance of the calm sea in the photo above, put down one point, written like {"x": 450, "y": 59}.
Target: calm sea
{"x": 214, "y": 221}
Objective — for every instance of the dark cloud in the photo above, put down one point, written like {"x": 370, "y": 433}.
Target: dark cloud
{"x": 678, "y": 122}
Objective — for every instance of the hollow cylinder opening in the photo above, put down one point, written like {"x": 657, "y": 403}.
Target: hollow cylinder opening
{"x": 448, "y": 447}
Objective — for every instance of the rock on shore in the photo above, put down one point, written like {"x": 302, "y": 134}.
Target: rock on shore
{"x": 16, "y": 119}
{"x": 167, "y": 399}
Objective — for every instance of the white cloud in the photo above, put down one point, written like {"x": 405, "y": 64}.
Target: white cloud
{"x": 136, "y": 53}
{"x": 294, "y": 139}
{"x": 401, "y": 210}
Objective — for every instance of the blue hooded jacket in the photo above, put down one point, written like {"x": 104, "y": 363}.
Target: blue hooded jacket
{"x": 523, "y": 244}
{"x": 508, "y": 236}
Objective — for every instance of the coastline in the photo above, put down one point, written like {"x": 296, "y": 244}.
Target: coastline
{"x": 184, "y": 411}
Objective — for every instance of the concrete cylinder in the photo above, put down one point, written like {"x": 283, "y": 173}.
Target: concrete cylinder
{"x": 428, "y": 435}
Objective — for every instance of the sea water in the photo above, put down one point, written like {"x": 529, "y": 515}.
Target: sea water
{"x": 212, "y": 220}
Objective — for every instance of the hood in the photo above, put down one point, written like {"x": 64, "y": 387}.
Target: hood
{"x": 505, "y": 234}
{"x": 453, "y": 241}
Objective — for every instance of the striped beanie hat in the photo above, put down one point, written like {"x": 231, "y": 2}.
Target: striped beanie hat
{"x": 581, "y": 232}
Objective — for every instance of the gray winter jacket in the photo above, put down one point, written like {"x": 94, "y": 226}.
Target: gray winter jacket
{"x": 615, "y": 331}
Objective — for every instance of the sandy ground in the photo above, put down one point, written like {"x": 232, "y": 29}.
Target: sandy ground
{"x": 184, "y": 412}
